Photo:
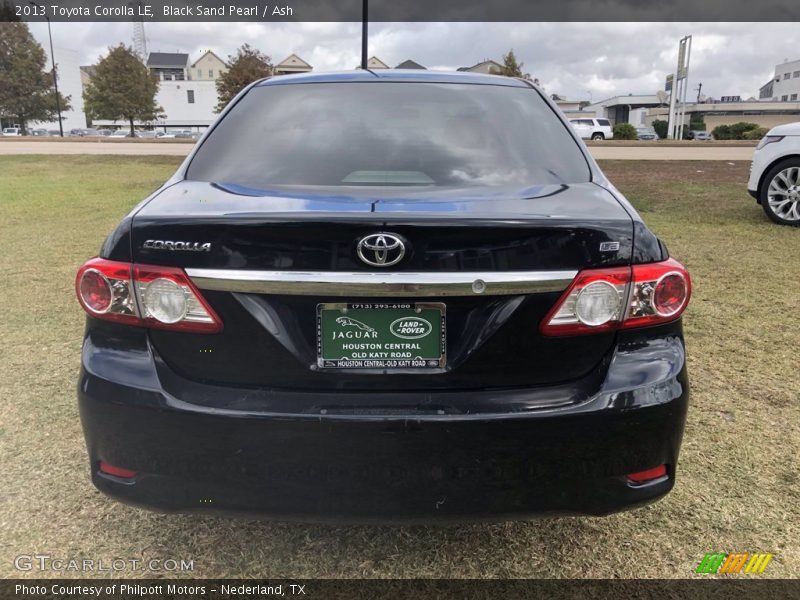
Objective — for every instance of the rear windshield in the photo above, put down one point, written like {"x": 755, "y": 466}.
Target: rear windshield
{"x": 389, "y": 134}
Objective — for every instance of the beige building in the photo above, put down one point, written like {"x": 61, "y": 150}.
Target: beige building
{"x": 291, "y": 64}
{"x": 488, "y": 67}
{"x": 375, "y": 63}
{"x": 208, "y": 67}
{"x": 763, "y": 113}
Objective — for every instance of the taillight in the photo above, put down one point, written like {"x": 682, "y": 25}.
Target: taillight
{"x": 659, "y": 293}
{"x": 168, "y": 299}
{"x": 144, "y": 295}
{"x": 621, "y": 297}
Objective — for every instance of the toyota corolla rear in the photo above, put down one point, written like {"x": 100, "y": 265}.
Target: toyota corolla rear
{"x": 385, "y": 296}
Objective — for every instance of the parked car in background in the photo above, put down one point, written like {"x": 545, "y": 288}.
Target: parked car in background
{"x": 165, "y": 135}
{"x": 105, "y": 132}
{"x": 88, "y": 132}
{"x": 593, "y": 129}
{"x": 775, "y": 174}
{"x": 39, "y": 133}
{"x": 12, "y": 132}
{"x": 699, "y": 136}
{"x": 646, "y": 133}
{"x": 147, "y": 134}
{"x": 120, "y": 133}
{"x": 431, "y": 318}
{"x": 193, "y": 135}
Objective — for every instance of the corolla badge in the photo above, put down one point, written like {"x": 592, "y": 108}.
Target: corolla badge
{"x": 381, "y": 249}
{"x": 177, "y": 246}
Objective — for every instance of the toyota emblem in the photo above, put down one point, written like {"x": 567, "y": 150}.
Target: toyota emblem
{"x": 381, "y": 249}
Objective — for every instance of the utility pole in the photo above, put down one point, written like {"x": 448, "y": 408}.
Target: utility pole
{"x": 364, "y": 27}
{"x": 53, "y": 62}
{"x": 699, "y": 87}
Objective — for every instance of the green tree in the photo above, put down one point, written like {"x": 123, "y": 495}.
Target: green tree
{"x": 660, "y": 126}
{"x": 511, "y": 68}
{"x": 247, "y": 66}
{"x": 8, "y": 12}
{"x": 624, "y": 131}
{"x": 697, "y": 122}
{"x": 755, "y": 134}
{"x": 721, "y": 132}
{"x": 122, "y": 89}
{"x": 26, "y": 89}
{"x": 738, "y": 130}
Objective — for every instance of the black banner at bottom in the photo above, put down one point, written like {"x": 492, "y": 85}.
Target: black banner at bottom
{"x": 399, "y": 589}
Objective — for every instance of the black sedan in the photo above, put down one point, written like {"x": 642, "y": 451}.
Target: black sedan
{"x": 385, "y": 296}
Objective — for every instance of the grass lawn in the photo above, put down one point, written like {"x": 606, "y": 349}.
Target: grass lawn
{"x": 737, "y": 491}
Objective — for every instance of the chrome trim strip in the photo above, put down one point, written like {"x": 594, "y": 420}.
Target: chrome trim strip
{"x": 395, "y": 284}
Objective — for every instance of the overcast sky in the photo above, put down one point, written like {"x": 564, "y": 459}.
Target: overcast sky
{"x": 572, "y": 59}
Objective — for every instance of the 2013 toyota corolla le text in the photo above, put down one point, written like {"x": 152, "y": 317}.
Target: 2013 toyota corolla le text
{"x": 385, "y": 296}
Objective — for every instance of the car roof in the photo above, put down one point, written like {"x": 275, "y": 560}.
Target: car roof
{"x": 395, "y": 75}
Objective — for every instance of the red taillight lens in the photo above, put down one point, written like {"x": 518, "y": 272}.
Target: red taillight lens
{"x": 648, "y": 475}
{"x": 670, "y": 294}
{"x": 94, "y": 291}
{"x": 606, "y": 299}
{"x": 104, "y": 291}
{"x": 108, "y": 469}
{"x": 659, "y": 293}
{"x": 144, "y": 295}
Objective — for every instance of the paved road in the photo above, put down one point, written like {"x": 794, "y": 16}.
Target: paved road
{"x": 173, "y": 149}
{"x": 672, "y": 153}
{"x": 135, "y": 148}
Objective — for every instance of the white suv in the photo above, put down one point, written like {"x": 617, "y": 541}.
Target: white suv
{"x": 593, "y": 129}
{"x": 775, "y": 174}
{"x": 12, "y": 132}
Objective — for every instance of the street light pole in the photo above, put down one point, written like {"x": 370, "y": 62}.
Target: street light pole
{"x": 53, "y": 62}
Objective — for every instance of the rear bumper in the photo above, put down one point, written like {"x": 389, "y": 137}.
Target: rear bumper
{"x": 194, "y": 452}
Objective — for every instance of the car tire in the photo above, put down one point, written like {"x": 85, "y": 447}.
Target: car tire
{"x": 598, "y": 136}
{"x": 780, "y": 192}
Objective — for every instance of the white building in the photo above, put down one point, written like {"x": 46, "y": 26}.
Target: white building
{"x": 69, "y": 84}
{"x": 784, "y": 85}
{"x": 632, "y": 108}
{"x": 187, "y": 104}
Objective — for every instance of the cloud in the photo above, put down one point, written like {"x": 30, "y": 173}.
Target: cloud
{"x": 571, "y": 59}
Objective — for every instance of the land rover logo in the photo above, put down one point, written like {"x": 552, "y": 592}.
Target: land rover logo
{"x": 381, "y": 249}
{"x": 410, "y": 328}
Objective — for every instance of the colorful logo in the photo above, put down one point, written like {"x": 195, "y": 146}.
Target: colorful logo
{"x": 742, "y": 562}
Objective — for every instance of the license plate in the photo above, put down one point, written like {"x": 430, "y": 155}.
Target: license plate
{"x": 408, "y": 335}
